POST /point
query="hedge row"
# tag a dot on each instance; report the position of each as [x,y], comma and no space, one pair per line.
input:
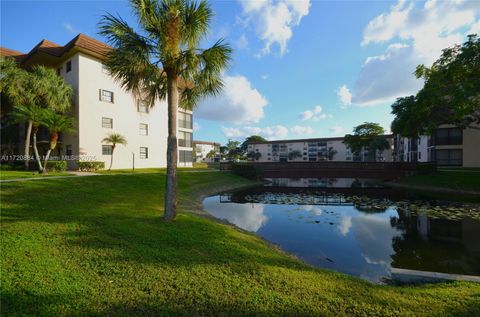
[88,166]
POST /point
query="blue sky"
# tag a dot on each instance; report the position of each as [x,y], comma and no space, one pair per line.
[301,68]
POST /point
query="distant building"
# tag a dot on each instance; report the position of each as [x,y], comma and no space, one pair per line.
[313,150]
[447,146]
[202,148]
[101,106]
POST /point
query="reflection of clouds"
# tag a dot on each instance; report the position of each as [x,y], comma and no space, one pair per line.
[374,237]
[345,225]
[316,210]
[246,216]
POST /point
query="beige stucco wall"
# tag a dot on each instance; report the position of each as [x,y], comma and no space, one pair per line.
[471,147]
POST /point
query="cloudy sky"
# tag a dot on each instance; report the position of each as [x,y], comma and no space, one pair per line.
[301,68]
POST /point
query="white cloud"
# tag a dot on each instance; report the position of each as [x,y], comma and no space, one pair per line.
[314,114]
[271,133]
[264,77]
[196,126]
[336,130]
[242,42]
[419,31]
[345,95]
[345,225]
[301,130]
[273,20]
[238,103]
[70,28]
[475,28]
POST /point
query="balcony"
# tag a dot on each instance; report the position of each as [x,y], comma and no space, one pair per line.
[185,124]
[184,143]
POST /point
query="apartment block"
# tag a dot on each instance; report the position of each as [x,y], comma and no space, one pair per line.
[202,148]
[313,150]
[101,106]
[447,146]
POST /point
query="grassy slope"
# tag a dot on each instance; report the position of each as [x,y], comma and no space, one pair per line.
[97,246]
[27,174]
[455,179]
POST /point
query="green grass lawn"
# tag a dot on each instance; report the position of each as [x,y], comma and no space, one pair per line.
[466,179]
[4,175]
[97,246]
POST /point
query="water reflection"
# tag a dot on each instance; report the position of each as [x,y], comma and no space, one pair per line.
[333,231]
[322,182]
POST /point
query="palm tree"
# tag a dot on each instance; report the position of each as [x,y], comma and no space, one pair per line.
[114,139]
[55,123]
[32,114]
[163,61]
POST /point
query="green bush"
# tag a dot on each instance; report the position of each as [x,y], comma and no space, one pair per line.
[249,171]
[57,166]
[88,166]
[426,168]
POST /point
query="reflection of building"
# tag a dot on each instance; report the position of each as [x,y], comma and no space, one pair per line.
[202,150]
[102,106]
[320,182]
[448,145]
[313,150]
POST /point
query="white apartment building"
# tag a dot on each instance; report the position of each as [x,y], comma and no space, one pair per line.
[202,148]
[101,106]
[447,146]
[313,150]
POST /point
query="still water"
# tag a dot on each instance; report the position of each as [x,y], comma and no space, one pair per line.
[360,231]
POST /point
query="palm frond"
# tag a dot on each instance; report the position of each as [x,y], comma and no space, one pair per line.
[195,23]
[25,113]
[56,123]
[115,138]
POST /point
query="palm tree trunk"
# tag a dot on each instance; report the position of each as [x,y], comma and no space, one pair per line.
[111,159]
[35,150]
[46,160]
[172,151]
[27,144]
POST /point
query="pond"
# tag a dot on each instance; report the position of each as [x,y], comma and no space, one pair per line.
[362,230]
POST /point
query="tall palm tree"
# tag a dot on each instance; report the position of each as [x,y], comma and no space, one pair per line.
[164,61]
[56,123]
[114,139]
[32,114]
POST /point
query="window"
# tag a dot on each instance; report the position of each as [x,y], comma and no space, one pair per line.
[449,136]
[184,139]
[107,150]
[449,157]
[107,123]
[185,156]
[144,152]
[59,71]
[105,69]
[68,150]
[106,95]
[69,66]
[185,120]
[143,129]
[419,155]
[142,107]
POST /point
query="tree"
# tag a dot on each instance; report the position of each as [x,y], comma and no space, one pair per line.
[253,138]
[113,139]
[368,135]
[294,154]
[211,154]
[38,88]
[451,93]
[331,152]
[254,155]
[233,149]
[163,61]
[55,123]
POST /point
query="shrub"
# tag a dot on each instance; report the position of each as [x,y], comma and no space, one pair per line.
[57,166]
[88,166]
[247,170]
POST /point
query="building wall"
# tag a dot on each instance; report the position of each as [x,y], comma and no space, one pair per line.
[201,151]
[471,147]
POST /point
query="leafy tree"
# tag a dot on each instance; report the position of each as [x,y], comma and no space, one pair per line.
[233,150]
[56,123]
[211,154]
[113,139]
[368,135]
[331,152]
[164,61]
[294,154]
[451,93]
[254,155]
[253,138]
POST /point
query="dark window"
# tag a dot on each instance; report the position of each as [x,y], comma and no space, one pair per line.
[143,129]
[142,107]
[144,152]
[184,139]
[68,150]
[69,66]
[448,136]
[185,156]
[106,150]
[449,157]
[106,95]
[107,123]
[185,120]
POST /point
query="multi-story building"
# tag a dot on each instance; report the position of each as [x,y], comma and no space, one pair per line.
[202,148]
[447,146]
[101,106]
[313,150]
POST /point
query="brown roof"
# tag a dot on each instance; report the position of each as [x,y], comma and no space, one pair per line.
[206,142]
[81,42]
[308,140]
